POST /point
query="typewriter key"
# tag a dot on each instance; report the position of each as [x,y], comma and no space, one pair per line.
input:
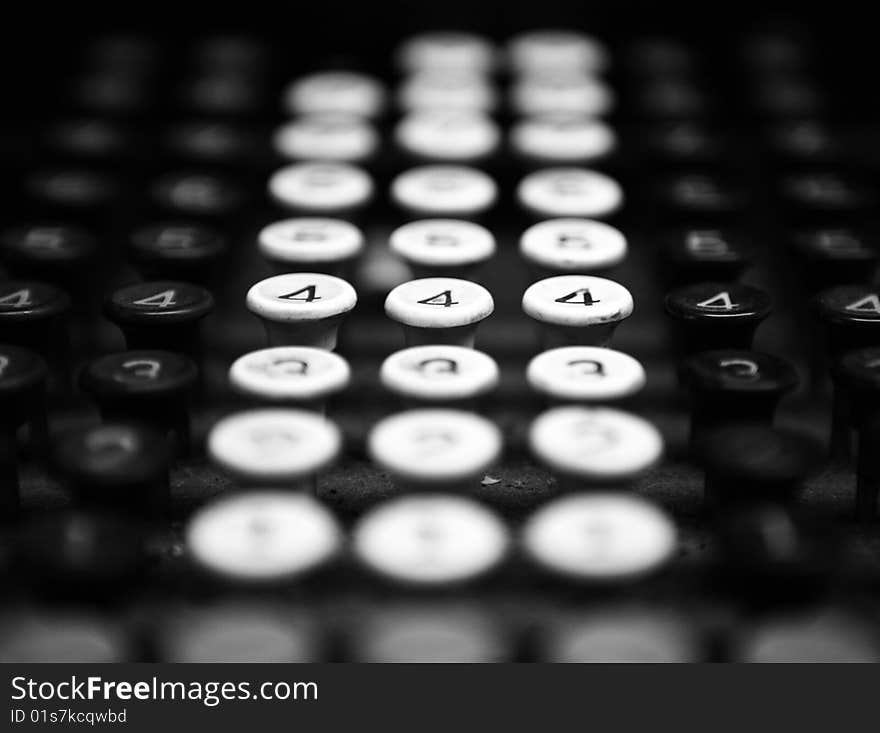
[560,92]
[439,374]
[56,636]
[695,255]
[434,89]
[262,537]
[569,192]
[439,310]
[850,316]
[321,188]
[554,50]
[459,136]
[834,257]
[585,374]
[333,137]
[199,195]
[33,315]
[446,51]
[302,309]
[184,251]
[599,537]
[572,246]
[430,540]
[562,139]
[717,315]
[442,246]
[58,254]
[296,375]
[311,243]
[274,446]
[594,445]
[335,92]
[444,190]
[435,448]
[578,309]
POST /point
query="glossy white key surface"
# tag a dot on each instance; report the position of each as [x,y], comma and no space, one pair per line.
[301,296]
[576,245]
[444,190]
[438,373]
[585,373]
[294,373]
[577,301]
[343,92]
[321,186]
[569,191]
[439,302]
[442,242]
[310,239]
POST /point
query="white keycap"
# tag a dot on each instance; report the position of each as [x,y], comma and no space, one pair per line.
[609,537]
[446,51]
[588,308]
[551,49]
[302,308]
[446,90]
[273,445]
[573,245]
[290,374]
[450,135]
[585,374]
[435,446]
[321,187]
[561,93]
[237,632]
[562,139]
[595,444]
[305,241]
[262,536]
[429,633]
[442,243]
[430,539]
[439,309]
[439,373]
[332,92]
[569,192]
[333,137]
[444,190]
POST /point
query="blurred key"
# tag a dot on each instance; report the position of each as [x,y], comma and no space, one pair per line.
[334,137]
[41,635]
[562,139]
[569,192]
[553,49]
[447,135]
[433,247]
[446,51]
[585,374]
[333,92]
[444,374]
[577,246]
[444,190]
[321,188]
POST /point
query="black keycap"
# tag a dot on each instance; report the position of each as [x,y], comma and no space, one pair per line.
[835,256]
[188,251]
[22,385]
[709,254]
[820,195]
[149,386]
[747,464]
[734,386]
[89,140]
[684,143]
[111,93]
[160,314]
[698,197]
[77,193]
[33,314]
[57,254]
[223,93]
[214,143]
[116,465]
[80,553]
[197,195]
[850,316]
[717,315]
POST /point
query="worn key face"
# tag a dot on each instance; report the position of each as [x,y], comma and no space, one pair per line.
[264,536]
[444,190]
[573,245]
[145,373]
[439,373]
[439,302]
[430,540]
[579,301]
[554,50]
[442,243]
[600,537]
[308,240]
[290,374]
[585,374]
[274,445]
[573,192]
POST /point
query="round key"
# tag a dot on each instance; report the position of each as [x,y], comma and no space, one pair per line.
[439,310]
[700,197]
[571,93]
[22,385]
[334,137]
[446,90]
[830,637]
[116,465]
[33,315]
[146,385]
[307,243]
[439,373]
[62,636]
[274,445]
[850,315]
[200,195]
[446,51]
[578,309]
[585,374]
[90,139]
[732,385]
[717,315]
[213,142]
[177,251]
[589,445]
[562,139]
[434,448]
[444,190]
[430,540]
[160,314]
[430,633]
[696,255]
[81,554]
[335,92]
[552,49]
[442,246]
[73,192]
[835,256]
[58,254]
[451,135]
[262,537]
[237,632]
[221,92]
[750,463]
[290,374]
[552,192]
[599,538]
[572,245]
[621,635]
[302,309]
[323,187]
